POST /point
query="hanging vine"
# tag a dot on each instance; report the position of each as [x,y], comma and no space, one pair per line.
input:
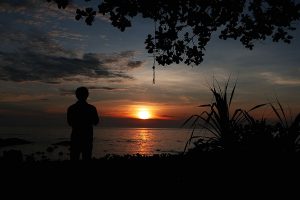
[154,52]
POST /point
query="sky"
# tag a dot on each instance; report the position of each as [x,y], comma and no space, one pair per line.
[45,54]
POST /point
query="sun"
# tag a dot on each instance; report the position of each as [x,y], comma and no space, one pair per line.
[144,114]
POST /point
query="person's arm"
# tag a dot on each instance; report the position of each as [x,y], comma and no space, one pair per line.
[69,117]
[95,117]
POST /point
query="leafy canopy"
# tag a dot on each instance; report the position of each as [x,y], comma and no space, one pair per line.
[184,27]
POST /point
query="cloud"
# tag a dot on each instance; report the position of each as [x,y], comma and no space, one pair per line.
[31,40]
[29,54]
[37,8]
[34,56]
[169,117]
[31,66]
[63,34]
[134,64]
[122,61]
[279,80]
[105,88]
[16,5]
[41,10]
[14,98]
[103,37]
[71,92]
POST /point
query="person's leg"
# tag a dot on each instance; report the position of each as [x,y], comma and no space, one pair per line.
[75,148]
[74,153]
[87,150]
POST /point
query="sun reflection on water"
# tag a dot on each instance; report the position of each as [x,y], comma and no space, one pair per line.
[145,139]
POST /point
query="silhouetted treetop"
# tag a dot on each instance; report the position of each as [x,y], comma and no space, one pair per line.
[184,27]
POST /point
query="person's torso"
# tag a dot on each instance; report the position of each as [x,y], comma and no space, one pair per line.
[82,117]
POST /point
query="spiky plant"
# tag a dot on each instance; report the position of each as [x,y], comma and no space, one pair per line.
[219,121]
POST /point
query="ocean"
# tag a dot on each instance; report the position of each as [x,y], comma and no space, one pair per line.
[120,141]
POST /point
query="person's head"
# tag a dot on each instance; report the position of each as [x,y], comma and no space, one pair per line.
[82,93]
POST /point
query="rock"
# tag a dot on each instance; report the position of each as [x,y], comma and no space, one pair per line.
[63,143]
[13,141]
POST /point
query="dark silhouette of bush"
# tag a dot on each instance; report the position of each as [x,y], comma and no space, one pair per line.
[12,156]
[238,131]
[219,120]
[287,132]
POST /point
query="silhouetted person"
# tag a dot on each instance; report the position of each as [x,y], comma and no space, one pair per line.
[82,117]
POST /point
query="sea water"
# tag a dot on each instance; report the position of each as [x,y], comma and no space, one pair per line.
[120,141]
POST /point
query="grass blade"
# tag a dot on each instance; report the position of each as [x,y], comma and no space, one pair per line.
[277,114]
[232,93]
[205,105]
[257,106]
[189,141]
[190,118]
[283,113]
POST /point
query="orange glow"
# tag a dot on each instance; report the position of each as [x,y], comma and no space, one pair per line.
[143,113]
[142,110]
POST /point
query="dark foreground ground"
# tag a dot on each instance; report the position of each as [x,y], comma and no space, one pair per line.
[170,175]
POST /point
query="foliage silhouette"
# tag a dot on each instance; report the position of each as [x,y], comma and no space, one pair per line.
[287,134]
[183,28]
[240,132]
[219,121]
